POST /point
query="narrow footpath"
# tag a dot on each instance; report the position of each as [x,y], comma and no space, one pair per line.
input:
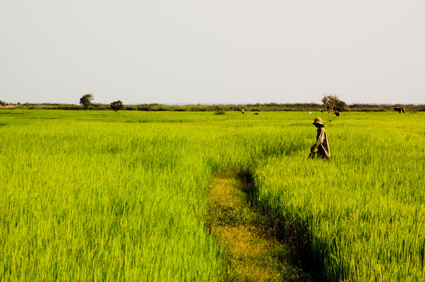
[253,254]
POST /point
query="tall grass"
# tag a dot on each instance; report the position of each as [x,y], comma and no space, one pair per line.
[365,210]
[98,198]
[114,196]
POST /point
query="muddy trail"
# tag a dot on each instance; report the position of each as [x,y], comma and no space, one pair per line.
[253,251]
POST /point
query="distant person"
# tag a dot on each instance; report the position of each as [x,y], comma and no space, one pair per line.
[322,144]
[243,111]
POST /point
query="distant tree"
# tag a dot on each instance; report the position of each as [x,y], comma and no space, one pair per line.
[332,102]
[117,105]
[86,101]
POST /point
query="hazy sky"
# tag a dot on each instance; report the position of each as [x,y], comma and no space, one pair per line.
[212,51]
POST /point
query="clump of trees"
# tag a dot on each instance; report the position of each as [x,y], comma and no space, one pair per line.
[86,101]
[333,103]
[117,105]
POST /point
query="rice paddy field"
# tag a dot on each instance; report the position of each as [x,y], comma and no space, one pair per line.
[99,195]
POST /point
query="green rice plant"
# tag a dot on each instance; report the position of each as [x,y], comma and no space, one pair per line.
[365,209]
[99,195]
[92,199]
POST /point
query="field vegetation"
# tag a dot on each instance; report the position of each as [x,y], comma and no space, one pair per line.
[103,195]
[228,108]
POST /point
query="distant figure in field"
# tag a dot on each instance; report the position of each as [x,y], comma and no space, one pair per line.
[337,114]
[243,111]
[400,110]
[322,144]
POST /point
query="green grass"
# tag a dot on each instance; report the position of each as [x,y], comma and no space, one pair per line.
[93,195]
[365,210]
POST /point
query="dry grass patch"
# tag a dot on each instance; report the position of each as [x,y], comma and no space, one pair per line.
[252,254]
[243,241]
[222,196]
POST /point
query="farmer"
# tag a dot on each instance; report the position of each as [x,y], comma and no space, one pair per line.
[321,141]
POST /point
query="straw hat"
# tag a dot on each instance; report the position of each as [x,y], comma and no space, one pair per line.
[318,121]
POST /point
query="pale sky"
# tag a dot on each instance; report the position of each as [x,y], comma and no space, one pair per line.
[212,51]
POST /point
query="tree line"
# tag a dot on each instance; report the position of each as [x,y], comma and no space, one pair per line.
[330,103]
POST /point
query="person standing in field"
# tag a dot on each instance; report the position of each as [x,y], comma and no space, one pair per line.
[322,144]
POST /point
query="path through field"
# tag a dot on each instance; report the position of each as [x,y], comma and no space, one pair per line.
[253,253]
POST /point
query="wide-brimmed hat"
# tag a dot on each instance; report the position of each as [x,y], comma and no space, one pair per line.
[318,121]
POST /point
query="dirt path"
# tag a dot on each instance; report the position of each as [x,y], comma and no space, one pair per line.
[252,253]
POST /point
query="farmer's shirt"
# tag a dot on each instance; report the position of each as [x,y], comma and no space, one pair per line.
[322,142]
